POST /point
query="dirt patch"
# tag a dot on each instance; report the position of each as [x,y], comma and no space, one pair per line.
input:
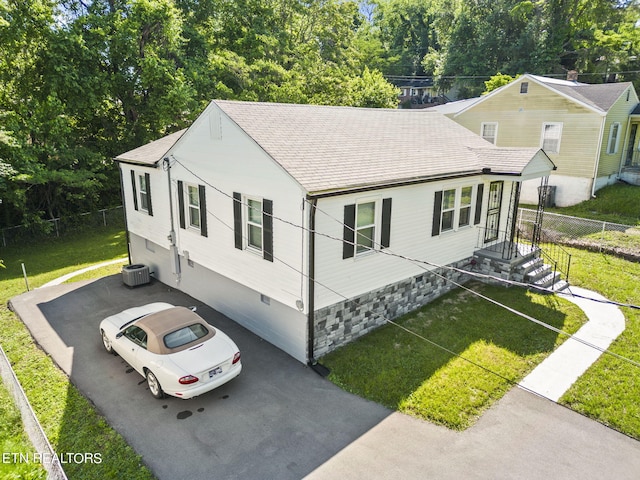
[628,253]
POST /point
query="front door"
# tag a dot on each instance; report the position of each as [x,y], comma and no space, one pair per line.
[631,147]
[493,211]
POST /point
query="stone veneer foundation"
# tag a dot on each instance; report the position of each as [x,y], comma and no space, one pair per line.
[345,321]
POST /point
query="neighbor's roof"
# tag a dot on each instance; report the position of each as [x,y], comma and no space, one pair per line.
[599,95]
[328,149]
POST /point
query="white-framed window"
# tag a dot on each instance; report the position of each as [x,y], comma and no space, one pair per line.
[141,186]
[452,209]
[365,226]
[466,197]
[253,224]
[489,131]
[143,190]
[614,138]
[192,207]
[193,204]
[551,135]
[254,227]
[448,210]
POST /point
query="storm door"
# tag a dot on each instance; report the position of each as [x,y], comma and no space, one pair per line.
[493,211]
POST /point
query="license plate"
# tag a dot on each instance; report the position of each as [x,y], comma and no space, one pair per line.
[215,371]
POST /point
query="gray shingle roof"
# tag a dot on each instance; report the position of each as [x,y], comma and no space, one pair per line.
[328,149]
[152,152]
[336,148]
[601,96]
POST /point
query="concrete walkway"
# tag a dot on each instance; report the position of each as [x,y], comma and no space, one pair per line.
[64,278]
[553,377]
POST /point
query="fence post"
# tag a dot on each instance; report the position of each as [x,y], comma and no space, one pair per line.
[104,218]
[604,225]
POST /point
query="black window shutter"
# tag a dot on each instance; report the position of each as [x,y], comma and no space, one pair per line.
[181,204]
[386,223]
[267,230]
[479,194]
[348,244]
[437,210]
[147,180]
[135,190]
[202,192]
[237,219]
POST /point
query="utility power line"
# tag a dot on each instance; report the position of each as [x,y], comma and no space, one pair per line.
[419,262]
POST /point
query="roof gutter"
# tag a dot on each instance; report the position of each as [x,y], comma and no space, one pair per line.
[399,183]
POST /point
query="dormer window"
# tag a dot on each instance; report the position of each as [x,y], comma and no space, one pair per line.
[524,87]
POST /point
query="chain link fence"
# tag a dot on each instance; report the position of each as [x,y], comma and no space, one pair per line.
[45,453]
[58,227]
[595,235]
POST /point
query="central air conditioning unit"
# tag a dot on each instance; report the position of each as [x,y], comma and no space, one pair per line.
[134,275]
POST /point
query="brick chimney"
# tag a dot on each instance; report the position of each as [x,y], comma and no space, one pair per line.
[572,76]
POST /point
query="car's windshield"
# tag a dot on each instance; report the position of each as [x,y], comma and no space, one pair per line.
[185,335]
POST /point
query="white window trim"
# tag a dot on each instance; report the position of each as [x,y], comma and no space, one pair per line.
[455,224]
[247,223]
[613,151]
[377,225]
[542,136]
[189,206]
[495,134]
[143,193]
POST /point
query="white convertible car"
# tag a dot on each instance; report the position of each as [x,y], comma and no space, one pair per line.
[173,348]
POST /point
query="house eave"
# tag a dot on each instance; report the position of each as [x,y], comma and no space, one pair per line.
[484,172]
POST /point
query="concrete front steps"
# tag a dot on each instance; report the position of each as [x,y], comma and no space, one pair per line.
[542,275]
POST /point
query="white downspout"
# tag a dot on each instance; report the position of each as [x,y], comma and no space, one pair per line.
[597,165]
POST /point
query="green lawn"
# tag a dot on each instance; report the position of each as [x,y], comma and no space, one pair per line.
[610,390]
[619,203]
[69,419]
[492,349]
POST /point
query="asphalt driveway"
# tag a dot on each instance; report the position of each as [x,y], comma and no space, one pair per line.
[280,420]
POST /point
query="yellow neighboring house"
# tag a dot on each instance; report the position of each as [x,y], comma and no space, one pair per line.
[589,131]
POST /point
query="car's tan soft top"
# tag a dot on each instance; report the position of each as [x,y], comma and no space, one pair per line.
[159,324]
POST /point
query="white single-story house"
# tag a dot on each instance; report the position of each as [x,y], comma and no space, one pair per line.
[312,225]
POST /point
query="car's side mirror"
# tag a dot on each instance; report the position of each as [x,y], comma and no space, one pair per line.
[193,309]
[119,334]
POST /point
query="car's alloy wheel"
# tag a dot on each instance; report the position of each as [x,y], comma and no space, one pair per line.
[107,343]
[154,385]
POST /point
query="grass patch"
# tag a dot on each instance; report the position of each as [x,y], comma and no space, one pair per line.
[14,441]
[619,203]
[492,349]
[610,389]
[70,421]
